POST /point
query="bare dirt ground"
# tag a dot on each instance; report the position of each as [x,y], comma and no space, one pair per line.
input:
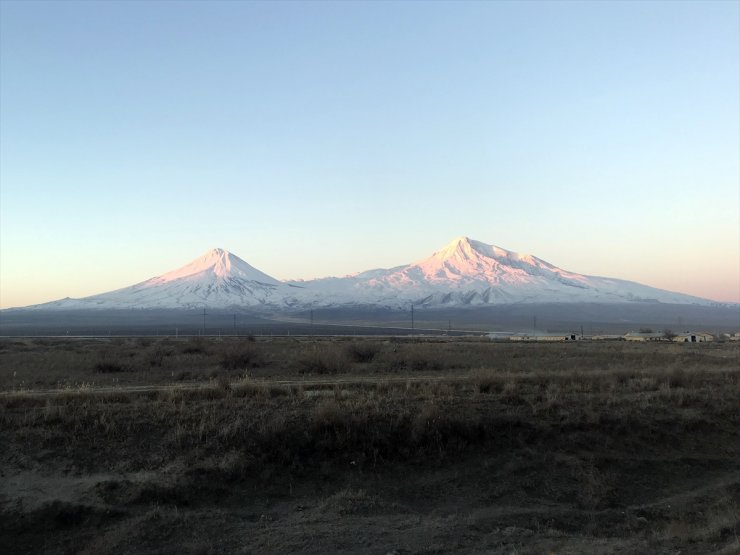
[368,446]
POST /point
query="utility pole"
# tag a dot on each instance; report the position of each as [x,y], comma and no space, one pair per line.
[234,325]
[204,321]
[312,317]
[534,325]
[412,319]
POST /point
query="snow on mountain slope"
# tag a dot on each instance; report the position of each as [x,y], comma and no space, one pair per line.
[219,264]
[218,279]
[468,272]
[463,273]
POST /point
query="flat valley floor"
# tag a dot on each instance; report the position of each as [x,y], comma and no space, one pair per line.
[368,445]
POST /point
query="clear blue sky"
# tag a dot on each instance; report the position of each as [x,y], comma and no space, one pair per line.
[318,139]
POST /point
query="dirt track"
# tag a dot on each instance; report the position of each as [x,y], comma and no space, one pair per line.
[307,382]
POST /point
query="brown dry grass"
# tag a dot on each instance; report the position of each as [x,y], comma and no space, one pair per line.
[535,448]
[45,363]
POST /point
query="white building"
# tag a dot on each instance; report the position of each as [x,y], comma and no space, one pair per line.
[644,336]
[693,337]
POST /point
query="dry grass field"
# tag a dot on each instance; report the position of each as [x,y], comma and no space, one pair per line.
[293,445]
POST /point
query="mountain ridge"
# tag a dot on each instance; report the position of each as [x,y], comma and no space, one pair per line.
[464,272]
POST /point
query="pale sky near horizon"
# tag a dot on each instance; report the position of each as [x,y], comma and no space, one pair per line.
[325,138]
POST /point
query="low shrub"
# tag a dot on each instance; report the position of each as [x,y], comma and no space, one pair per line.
[157,356]
[195,347]
[240,357]
[326,360]
[108,367]
[362,351]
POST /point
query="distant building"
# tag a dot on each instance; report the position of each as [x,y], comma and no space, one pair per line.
[644,336]
[546,337]
[693,337]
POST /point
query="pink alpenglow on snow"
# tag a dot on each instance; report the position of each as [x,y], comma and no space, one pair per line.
[464,272]
[466,258]
[216,263]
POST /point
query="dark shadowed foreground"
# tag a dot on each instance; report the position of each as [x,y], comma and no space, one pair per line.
[369,446]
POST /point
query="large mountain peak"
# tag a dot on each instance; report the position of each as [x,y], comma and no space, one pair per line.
[473,257]
[465,248]
[461,260]
[459,247]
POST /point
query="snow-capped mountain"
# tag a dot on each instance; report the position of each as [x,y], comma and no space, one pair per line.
[217,279]
[466,272]
[463,273]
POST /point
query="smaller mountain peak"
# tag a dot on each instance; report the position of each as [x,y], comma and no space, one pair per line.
[217,252]
[219,263]
[217,256]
